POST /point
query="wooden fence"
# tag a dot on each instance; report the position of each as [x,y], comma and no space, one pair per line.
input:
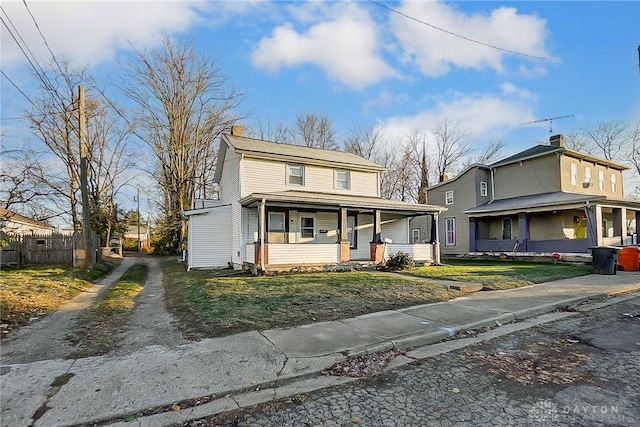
[51,249]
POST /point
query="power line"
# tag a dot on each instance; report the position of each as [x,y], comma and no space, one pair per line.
[42,35]
[19,90]
[460,36]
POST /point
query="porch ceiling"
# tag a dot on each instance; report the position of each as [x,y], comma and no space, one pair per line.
[337,201]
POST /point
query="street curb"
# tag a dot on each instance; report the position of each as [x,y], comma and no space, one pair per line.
[420,346]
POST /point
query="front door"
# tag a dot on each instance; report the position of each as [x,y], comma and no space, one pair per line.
[307,228]
[506,228]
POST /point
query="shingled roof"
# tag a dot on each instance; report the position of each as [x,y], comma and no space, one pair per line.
[259,148]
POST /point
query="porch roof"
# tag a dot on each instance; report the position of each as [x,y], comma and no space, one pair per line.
[336,201]
[533,203]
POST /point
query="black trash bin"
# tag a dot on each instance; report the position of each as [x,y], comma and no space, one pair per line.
[604,259]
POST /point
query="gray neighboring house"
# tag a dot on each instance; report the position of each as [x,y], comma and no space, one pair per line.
[545,199]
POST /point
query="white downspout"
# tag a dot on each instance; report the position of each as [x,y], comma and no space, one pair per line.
[262,215]
[493,187]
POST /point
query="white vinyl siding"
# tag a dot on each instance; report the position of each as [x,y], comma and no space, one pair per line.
[342,180]
[269,176]
[448,198]
[209,239]
[230,179]
[450,230]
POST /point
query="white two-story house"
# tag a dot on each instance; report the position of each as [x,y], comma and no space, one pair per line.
[282,206]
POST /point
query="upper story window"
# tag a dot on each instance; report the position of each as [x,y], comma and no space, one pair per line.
[613,183]
[483,188]
[448,198]
[295,175]
[342,179]
[574,174]
[601,180]
[587,175]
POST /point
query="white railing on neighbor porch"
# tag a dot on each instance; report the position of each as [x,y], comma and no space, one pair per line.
[303,253]
[418,251]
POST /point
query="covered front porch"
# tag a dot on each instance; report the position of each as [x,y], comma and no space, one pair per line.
[562,228]
[304,229]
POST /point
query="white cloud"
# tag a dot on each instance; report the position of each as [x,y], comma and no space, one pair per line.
[88,32]
[435,52]
[482,116]
[345,46]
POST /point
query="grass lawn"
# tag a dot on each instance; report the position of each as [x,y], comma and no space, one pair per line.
[100,324]
[33,291]
[209,305]
[506,274]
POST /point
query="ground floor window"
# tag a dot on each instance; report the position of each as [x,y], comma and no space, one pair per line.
[276,227]
[415,235]
[450,226]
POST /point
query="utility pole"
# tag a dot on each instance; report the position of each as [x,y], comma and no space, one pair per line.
[86,222]
[138,200]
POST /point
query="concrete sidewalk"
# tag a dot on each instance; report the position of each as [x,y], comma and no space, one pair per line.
[248,368]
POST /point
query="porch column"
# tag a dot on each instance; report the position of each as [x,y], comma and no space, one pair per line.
[637,226]
[345,251]
[594,225]
[436,241]
[376,248]
[261,251]
[473,234]
[620,223]
[523,230]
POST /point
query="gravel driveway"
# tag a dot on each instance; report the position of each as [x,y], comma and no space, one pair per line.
[150,324]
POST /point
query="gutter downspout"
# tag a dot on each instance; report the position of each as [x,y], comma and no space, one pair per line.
[493,186]
[262,215]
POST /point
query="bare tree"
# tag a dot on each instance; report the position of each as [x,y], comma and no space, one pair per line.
[607,137]
[268,132]
[452,145]
[633,139]
[314,131]
[364,142]
[489,155]
[183,104]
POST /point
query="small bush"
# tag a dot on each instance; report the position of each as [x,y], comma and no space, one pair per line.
[400,261]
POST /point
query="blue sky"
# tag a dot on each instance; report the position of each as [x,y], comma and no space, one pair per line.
[362,65]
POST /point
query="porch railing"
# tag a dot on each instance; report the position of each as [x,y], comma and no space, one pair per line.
[303,253]
[418,251]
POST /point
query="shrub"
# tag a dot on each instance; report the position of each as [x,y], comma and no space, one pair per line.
[400,261]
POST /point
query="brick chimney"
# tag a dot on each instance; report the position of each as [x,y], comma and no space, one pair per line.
[444,177]
[557,141]
[236,130]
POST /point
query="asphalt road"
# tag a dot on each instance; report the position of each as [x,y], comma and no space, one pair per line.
[579,371]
